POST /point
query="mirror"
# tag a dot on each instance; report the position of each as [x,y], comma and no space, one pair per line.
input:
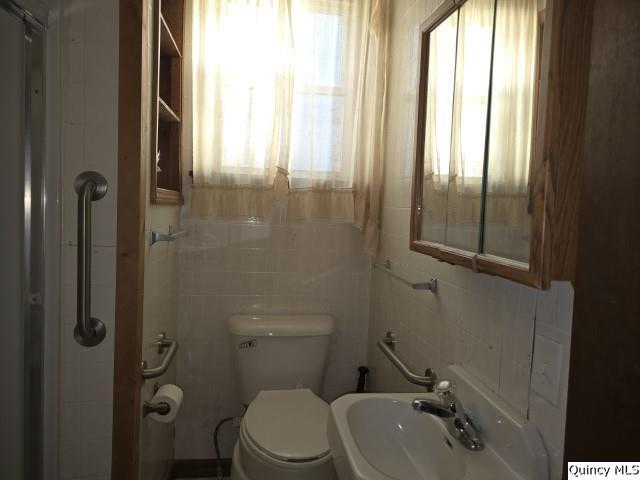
[477,119]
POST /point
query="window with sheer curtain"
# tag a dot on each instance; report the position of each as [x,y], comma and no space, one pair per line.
[482,66]
[458,97]
[288,107]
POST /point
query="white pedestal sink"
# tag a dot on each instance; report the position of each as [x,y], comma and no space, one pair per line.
[381,437]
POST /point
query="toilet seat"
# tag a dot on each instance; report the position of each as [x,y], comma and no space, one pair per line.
[288,425]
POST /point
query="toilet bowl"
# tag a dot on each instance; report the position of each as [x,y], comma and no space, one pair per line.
[283,437]
[280,362]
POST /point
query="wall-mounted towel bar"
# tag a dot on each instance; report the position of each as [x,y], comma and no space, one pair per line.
[162,343]
[170,236]
[388,345]
[431,285]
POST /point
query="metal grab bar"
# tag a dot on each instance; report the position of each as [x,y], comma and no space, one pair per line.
[162,343]
[387,345]
[89,331]
[431,285]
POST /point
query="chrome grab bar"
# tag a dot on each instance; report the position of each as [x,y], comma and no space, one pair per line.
[162,343]
[89,331]
[387,345]
[431,285]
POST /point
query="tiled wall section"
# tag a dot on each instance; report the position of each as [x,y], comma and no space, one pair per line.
[489,335]
[232,267]
[89,138]
[496,329]
[550,370]
[160,311]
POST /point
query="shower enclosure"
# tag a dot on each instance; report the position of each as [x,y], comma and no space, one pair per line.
[30,248]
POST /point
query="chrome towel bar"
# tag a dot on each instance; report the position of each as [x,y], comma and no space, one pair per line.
[170,236]
[388,345]
[162,343]
[431,285]
[89,331]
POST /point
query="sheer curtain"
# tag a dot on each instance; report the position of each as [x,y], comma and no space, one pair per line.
[471,99]
[438,128]
[288,102]
[470,108]
[440,91]
[513,97]
[508,217]
[457,118]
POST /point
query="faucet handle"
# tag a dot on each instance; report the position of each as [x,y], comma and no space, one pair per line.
[444,389]
[444,386]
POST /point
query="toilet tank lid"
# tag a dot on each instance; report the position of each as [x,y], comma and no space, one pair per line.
[280,325]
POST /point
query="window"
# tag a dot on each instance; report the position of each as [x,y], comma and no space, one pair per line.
[277,86]
[288,108]
[318,103]
[247,45]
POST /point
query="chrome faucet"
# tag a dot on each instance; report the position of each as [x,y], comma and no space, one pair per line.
[450,409]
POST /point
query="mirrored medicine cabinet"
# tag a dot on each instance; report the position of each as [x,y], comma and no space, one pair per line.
[488,168]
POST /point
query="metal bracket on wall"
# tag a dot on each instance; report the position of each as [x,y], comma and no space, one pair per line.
[431,285]
[170,236]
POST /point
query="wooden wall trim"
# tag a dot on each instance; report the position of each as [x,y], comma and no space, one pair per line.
[130,251]
[568,88]
[604,376]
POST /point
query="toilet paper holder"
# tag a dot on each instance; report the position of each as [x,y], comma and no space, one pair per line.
[161,408]
[164,406]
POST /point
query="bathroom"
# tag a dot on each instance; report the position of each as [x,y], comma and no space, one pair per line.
[246,240]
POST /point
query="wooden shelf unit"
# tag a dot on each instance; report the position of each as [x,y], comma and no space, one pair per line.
[168,45]
[166,162]
[165,113]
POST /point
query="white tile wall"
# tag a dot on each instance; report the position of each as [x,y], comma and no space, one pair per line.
[232,267]
[89,142]
[495,328]
[90,97]
[548,396]
[160,313]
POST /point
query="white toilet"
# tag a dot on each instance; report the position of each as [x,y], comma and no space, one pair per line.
[280,362]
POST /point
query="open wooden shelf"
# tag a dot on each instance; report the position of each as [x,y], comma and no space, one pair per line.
[168,197]
[166,153]
[168,45]
[165,113]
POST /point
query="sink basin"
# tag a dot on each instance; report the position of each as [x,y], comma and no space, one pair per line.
[381,437]
[393,439]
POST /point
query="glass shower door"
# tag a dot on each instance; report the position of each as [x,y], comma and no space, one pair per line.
[21,255]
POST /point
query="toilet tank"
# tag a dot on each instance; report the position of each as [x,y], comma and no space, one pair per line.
[279,352]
